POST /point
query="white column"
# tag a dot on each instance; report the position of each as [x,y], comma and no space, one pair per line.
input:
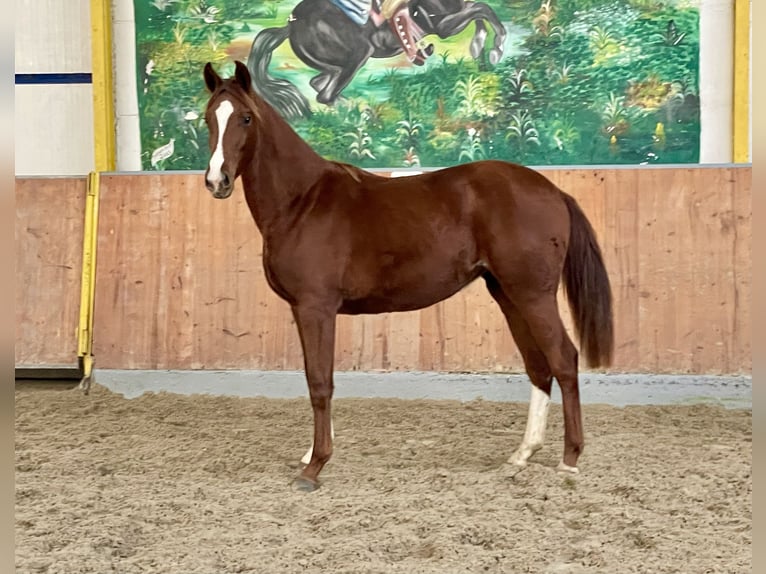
[128,136]
[716,80]
[750,89]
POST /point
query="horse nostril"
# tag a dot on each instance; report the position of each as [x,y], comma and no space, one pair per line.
[210,187]
[225,179]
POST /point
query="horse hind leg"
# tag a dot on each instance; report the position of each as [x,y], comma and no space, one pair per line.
[537,420]
[339,78]
[539,374]
[319,81]
[540,312]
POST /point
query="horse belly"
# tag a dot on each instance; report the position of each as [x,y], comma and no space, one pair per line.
[397,302]
[394,290]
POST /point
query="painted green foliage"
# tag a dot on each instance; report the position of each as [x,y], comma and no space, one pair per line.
[581,82]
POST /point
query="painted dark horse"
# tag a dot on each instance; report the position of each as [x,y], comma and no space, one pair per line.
[325,39]
[337,239]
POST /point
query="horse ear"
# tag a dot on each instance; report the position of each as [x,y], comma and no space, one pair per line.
[243,76]
[212,79]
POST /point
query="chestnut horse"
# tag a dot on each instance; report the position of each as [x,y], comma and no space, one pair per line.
[337,239]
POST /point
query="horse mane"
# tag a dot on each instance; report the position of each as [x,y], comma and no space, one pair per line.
[353,171]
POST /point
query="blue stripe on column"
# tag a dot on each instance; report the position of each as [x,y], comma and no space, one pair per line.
[73,78]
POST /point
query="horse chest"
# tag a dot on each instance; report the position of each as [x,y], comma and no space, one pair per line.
[278,280]
[297,269]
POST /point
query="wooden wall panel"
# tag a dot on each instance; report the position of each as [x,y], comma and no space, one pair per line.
[48,245]
[618,242]
[741,189]
[181,285]
[180,282]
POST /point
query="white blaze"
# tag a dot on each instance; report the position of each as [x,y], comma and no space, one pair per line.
[222,114]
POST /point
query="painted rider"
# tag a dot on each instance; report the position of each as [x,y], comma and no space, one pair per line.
[405,29]
[397,13]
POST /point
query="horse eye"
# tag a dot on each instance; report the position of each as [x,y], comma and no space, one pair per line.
[247,120]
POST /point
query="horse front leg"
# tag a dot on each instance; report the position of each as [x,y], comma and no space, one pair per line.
[307,457]
[475,11]
[316,327]
[477,42]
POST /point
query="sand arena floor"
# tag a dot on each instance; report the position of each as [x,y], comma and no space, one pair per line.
[201,484]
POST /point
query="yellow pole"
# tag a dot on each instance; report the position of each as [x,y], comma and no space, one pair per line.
[741,107]
[88,283]
[103,99]
[104,160]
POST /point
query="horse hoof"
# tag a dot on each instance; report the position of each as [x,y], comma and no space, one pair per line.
[517,460]
[494,56]
[566,469]
[303,484]
[521,455]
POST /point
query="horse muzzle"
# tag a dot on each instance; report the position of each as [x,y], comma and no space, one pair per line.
[221,187]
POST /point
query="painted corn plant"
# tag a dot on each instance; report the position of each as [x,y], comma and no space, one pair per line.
[552,82]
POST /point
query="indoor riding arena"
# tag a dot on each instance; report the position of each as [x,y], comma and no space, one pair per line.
[410,286]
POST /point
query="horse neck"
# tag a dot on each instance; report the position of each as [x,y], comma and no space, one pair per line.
[284,167]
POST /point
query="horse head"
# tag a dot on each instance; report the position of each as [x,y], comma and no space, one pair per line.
[232,120]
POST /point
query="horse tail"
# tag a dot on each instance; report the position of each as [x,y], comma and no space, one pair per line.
[586,284]
[280,94]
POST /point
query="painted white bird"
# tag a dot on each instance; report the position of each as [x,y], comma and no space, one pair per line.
[163,152]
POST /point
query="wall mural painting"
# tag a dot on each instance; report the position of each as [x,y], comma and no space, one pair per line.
[432,83]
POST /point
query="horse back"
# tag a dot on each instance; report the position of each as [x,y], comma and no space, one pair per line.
[471,199]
